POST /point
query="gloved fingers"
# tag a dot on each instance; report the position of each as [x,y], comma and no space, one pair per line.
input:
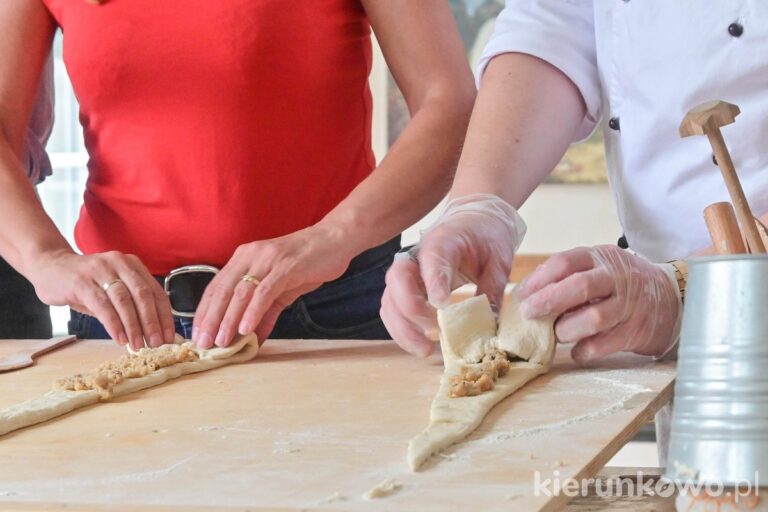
[600,345]
[573,291]
[403,331]
[439,259]
[492,283]
[406,291]
[589,320]
[555,269]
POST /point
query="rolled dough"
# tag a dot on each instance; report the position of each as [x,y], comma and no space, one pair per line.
[466,333]
[58,402]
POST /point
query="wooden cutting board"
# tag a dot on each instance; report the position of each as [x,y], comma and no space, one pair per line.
[314,424]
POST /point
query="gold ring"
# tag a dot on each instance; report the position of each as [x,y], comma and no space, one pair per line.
[106,286]
[248,278]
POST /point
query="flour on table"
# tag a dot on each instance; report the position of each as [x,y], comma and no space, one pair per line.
[336,496]
[384,489]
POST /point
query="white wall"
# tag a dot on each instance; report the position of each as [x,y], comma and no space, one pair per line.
[559,217]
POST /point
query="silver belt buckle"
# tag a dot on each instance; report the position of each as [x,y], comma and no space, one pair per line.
[188,269]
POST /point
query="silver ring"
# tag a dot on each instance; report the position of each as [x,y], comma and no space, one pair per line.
[107,285]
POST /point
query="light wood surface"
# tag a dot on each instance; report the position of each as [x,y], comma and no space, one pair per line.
[307,420]
[724,229]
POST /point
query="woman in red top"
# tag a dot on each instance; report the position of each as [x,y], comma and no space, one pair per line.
[233,134]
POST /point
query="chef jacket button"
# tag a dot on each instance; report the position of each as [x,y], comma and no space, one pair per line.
[614,124]
[736,29]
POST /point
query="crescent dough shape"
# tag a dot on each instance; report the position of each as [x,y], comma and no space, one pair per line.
[464,337]
[59,402]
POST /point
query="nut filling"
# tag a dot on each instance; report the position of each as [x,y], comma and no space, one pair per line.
[479,378]
[104,378]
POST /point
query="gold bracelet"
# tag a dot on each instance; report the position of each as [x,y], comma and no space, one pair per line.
[681,274]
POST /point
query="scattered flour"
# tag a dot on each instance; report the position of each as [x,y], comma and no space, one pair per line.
[384,489]
[626,402]
[337,496]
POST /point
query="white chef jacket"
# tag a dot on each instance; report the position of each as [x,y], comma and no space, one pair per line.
[640,65]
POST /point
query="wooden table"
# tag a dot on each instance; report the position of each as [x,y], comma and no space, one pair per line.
[314,425]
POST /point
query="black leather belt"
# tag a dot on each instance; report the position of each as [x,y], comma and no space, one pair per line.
[185,285]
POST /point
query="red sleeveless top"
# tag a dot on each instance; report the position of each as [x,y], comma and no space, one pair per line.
[212,123]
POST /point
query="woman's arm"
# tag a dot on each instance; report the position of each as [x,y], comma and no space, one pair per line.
[136,309]
[423,49]
[24,46]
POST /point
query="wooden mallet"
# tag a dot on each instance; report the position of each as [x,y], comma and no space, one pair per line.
[706,120]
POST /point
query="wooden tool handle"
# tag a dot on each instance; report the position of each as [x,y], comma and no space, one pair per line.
[723,228]
[51,344]
[743,212]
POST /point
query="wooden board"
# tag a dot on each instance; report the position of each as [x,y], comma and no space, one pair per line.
[308,420]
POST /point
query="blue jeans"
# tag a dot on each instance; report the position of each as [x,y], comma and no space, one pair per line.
[22,315]
[346,308]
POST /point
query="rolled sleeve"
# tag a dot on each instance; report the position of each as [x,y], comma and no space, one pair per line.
[560,32]
[38,164]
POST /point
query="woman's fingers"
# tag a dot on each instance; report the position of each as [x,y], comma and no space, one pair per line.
[213,306]
[589,320]
[95,302]
[144,300]
[556,268]
[241,297]
[160,300]
[573,291]
[264,296]
[123,303]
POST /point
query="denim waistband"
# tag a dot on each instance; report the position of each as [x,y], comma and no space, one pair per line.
[360,262]
[373,255]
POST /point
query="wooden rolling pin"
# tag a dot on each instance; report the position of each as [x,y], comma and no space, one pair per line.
[706,120]
[723,228]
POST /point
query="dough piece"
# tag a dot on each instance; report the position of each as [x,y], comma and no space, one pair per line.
[532,340]
[59,402]
[452,419]
[466,328]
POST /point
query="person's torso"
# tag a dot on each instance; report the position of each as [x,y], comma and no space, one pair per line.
[214,123]
[657,60]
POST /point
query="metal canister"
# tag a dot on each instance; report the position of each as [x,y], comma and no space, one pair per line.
[720,420]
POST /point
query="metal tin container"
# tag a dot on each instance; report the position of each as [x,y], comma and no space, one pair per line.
[720,421]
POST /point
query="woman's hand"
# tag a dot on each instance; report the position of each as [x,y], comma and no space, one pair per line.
[284,269]
[607,300]
[133,308]
[474,240]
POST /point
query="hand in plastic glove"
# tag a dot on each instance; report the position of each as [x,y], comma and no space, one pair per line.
[474,239]
[608,300]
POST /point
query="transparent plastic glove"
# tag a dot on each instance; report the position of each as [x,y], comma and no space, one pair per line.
[473,240]
[607,299]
